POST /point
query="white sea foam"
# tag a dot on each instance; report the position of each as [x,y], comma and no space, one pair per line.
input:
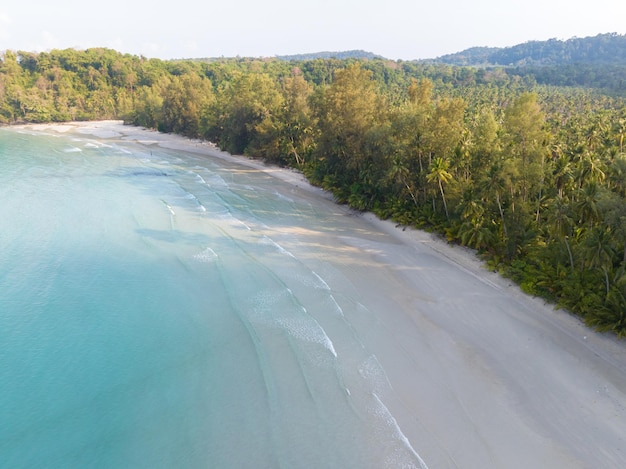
[307,329]
[228,216]
[72,150]
[283,197]
[190,196]
[279,248]
[397,458]
[208,255]
[234,220]
[215,180]
[171,210]
[321,280]
[372,371]
[97,144]
[276,309]
[312,281]
[122,150]
[338,308]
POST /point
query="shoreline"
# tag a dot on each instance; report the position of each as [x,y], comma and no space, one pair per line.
[462,256]
[470,365]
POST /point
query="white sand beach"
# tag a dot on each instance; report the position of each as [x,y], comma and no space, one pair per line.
[483,375]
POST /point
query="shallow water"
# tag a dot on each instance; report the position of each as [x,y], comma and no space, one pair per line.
[161,309]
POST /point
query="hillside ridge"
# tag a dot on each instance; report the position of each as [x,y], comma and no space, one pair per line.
[602,49]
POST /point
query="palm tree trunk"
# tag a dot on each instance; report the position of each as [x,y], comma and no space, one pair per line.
[506,235]
[569,251]
[411,193]
[443,196]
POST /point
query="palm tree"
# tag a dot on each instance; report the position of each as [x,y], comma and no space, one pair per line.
[562,174]
[617,175]
[613,208]
[475,234]
[399,173]
[561,223]
[439,174]
[470,205]
[590,168]
[611,316]
[587,204]
[599,252]
[620,130]
[495,184]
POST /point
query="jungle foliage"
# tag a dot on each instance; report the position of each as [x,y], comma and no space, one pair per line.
[531,176]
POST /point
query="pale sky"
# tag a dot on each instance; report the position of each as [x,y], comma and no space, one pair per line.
[396,29]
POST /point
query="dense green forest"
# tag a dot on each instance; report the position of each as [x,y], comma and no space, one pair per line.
[590,62]
[530,175]
[603,49]
[351,54]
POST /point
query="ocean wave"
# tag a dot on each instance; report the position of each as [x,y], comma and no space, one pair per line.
[269,241]
[372,371]
[208,255]
[321,280]
[397,456]
[283,197]
[197,203]
[280,308]
[122,150]
[338,309]
[229,217]
[307,329]
[169,207]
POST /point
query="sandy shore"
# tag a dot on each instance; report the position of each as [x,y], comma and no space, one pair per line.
[483,375]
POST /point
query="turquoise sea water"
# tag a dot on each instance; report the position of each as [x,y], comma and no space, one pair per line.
[162,309]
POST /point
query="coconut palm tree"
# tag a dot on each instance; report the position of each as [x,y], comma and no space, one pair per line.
[599,252]
[493,184]
[562,174]
[399,174]
[620,130]
[561,223]
[587,204]
[439,174]
[617,175]
[590,168]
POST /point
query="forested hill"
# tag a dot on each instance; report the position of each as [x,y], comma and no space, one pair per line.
[603,49]
[351,54]
[593,62]
[324,55]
